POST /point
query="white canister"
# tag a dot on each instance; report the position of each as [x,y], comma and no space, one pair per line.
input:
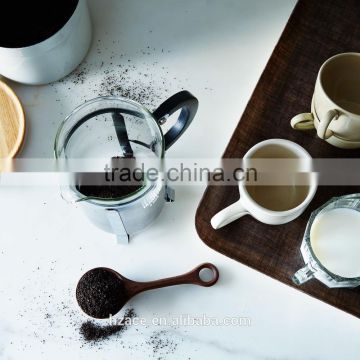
[53,58]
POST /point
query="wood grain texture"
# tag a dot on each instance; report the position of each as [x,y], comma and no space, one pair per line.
[315,31]
[12,122]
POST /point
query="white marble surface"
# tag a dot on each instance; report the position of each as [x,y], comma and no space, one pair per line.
[218,49]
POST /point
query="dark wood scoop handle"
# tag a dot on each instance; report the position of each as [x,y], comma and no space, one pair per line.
[192,277]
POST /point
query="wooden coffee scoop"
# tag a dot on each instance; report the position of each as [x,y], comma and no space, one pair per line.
[102,292]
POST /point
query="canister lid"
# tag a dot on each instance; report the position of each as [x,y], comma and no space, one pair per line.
[12,122]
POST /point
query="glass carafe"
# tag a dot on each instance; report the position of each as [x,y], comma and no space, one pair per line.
[109,134]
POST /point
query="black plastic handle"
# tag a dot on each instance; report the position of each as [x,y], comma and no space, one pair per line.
[188,104]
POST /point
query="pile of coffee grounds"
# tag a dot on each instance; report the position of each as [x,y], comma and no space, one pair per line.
[91,331]
[101,293]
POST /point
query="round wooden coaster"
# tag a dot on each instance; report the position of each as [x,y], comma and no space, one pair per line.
[12,122]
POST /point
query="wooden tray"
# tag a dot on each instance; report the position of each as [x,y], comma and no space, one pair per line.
[316,30]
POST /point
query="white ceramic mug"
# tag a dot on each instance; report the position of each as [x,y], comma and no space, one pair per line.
[53,58]
[335,109]
[284,196]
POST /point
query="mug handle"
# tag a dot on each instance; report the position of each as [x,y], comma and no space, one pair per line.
[303,121]
[303,275]
[226,216]
[188,104]
[322,131]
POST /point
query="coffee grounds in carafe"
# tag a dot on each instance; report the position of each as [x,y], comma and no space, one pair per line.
[109,191]
[110,185]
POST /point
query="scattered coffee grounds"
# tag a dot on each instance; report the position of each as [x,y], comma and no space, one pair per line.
[162,345]
[100,293]
[113,73]
[29,22]
[94,332]
[116,84]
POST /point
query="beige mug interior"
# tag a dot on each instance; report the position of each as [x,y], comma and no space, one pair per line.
[340,79]
[280,185]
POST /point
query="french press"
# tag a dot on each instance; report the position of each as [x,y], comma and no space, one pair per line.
[109,130]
